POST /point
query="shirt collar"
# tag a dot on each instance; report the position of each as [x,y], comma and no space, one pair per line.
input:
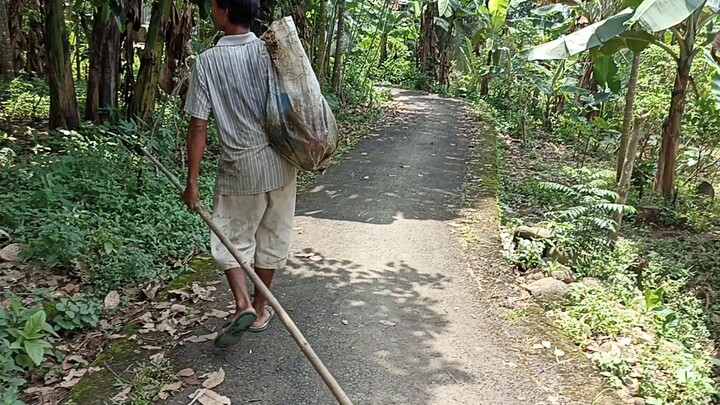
[231,40]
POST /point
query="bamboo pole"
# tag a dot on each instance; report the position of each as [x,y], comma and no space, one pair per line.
[305,347]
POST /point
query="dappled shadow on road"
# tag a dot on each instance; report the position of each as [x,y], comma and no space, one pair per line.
[373,327]
[414,168]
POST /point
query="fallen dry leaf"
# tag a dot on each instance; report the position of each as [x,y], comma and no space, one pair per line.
[387,323]
[45,395]
[117,336]
[75,374]
[72,361]
[157,357]
[151,291]
[166,389]
[112,300]
[150,347]
[122,396]
[200,339]
[168,326]
[71,288]
[10,278]
[210,397]
[183,293]
[219,314]
[186,372]
[69,383]
[202,293]
[186,321]
[214,379]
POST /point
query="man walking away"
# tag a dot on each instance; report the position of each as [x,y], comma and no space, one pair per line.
[254,200]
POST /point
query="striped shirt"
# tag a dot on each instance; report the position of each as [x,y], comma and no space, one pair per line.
[231,80]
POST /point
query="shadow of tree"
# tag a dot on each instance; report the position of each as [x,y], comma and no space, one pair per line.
[371,326]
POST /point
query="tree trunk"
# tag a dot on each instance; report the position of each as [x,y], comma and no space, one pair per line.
[132,11]
[301,24]
[445,58]
[142,102]
[493,60]
[6,49]
[628,114]
[35,61]
[667,158]
[337,67]
[427,58]
[321,38]
[329,41]
[63,104]
[627,170]
[103,76]
[17,39]
[383,49]
[587,82]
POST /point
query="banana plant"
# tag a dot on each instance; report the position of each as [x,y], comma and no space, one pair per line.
[637,26]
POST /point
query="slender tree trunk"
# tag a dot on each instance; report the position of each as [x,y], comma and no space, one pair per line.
[328,42]
[383,48]
[63,103]
[321,37]
[628,114]
[445,59]
[587,79]
[427,58]
[104,73]
[493,60]
[665,176]
[142,103]
[6,49]
[337,67]
[132,11]
[17,40]
[302,24]
[626,175]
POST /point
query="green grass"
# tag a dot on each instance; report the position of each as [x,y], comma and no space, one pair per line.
[650,285]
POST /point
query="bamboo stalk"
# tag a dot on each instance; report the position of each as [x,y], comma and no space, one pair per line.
[305,347]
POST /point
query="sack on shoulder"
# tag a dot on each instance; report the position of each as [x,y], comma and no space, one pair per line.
[301,125]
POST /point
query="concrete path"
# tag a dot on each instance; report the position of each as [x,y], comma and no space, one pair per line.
[385,298]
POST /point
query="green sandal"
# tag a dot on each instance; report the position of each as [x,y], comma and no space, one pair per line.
[266,324]
[232,333]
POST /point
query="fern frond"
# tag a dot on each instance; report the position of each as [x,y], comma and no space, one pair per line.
[603,224]
[613,207]
[549,186]
[572,213]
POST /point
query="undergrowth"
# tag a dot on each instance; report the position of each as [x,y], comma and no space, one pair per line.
[81,205]
[649,321]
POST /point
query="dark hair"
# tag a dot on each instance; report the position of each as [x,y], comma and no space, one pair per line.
[240,12]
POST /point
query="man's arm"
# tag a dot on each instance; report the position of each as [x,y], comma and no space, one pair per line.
[197,135]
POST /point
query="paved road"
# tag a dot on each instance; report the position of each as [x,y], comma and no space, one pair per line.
[388,267]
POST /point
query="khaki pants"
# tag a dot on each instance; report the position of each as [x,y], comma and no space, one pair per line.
[259,226]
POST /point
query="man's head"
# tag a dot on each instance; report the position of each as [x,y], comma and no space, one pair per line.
[228,13]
